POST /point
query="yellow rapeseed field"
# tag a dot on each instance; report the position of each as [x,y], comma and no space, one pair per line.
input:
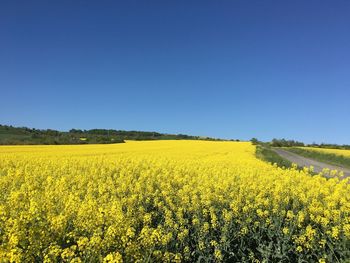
[342,152]
[166,201]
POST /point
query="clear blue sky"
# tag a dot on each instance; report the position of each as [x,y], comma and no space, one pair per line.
[229,69]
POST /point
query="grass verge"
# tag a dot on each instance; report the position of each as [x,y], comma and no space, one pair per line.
[266,154]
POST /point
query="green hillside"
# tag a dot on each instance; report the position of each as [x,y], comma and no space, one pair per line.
[10,135]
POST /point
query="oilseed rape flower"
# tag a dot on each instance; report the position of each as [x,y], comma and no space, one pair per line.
[166,201]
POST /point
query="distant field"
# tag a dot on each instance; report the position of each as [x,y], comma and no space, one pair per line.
[166,201]
[331,156]
[341,152]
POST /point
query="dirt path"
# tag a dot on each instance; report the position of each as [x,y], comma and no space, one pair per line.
[302,161]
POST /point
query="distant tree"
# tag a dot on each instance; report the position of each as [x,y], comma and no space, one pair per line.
[254,141]
[75,131]
[285,143]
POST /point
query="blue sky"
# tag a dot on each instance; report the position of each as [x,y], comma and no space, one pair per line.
[229,69]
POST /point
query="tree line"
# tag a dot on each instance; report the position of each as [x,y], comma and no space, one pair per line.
[10,135]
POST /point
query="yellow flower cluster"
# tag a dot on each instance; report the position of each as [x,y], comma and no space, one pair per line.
[166,201]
